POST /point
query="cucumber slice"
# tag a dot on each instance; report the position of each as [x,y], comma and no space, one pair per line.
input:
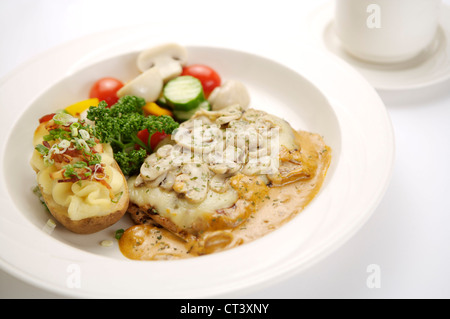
[186,115]
[184,93]
[162,102]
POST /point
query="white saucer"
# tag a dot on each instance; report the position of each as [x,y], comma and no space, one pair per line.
[431,67]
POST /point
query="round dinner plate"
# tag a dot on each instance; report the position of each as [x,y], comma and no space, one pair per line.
[311,89]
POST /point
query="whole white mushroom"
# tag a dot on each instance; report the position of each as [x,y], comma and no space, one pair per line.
[169,59]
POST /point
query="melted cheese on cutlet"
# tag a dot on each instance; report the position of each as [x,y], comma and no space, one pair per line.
[180,211]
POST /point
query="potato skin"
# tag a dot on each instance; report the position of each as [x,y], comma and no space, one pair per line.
[93,224]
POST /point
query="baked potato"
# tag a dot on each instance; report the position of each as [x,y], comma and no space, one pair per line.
[80,182]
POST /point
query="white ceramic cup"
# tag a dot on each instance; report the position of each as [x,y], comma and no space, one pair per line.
[386,31]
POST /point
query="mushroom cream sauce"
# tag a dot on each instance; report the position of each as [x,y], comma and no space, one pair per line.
[257,209]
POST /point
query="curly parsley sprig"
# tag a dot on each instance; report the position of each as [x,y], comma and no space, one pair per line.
[119,126]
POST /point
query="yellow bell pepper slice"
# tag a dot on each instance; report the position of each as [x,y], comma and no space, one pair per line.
[151,108]
[79,107]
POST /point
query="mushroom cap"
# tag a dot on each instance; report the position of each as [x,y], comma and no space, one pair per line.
[168,58]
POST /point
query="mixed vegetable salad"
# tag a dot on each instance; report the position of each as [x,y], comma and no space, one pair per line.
[134,117]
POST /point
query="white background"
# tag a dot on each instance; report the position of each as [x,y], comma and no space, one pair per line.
[408,236]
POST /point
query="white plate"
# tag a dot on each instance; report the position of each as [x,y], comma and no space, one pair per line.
[311,89]
[431,67]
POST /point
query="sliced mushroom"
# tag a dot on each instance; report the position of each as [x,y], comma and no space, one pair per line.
[219,183]
[157,164]
[147,85]
[158,181]
[168,181]
[257,165]
[230,92]
[222,116]
[164,151]
[199,138]
[228,161]
[168,59]
[199,120]
[193,182]
[277,129]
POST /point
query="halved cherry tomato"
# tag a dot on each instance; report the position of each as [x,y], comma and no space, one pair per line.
[209,78]
[46,118]
[154,140]
[105,89]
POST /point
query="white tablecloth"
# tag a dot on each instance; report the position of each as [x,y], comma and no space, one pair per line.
[407,238]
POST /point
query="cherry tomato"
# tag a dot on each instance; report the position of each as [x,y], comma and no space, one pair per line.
[143,136]
[154,140]
[46,118]
[105,89]
[209,78]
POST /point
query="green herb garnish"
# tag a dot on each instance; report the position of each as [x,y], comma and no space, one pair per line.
[119,233]
[119,126]
[42,149]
